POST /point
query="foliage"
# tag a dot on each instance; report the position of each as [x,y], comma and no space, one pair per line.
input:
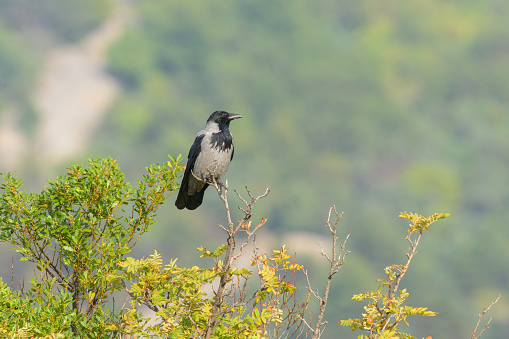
[42,315]
[183,308]
[78,230]
[386,309]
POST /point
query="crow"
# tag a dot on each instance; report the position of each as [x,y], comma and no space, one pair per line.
[208,159]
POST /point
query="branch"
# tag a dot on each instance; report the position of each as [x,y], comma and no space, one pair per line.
[249,205]
[412,250]
[336,261]
[481,315]
[141,301]
[393,288]
[229,257]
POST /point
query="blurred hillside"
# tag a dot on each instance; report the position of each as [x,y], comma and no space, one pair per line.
[375,107]
[53,85]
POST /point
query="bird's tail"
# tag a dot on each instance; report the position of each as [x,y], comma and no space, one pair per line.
[190,202]
[194,201]
[182,198]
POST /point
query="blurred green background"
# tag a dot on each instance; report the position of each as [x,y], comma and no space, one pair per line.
[372,106]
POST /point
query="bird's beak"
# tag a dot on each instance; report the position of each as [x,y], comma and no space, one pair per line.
[234,116]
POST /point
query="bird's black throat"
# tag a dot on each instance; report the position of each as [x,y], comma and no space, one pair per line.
[222,140]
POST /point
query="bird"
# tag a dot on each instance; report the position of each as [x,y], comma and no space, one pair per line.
[208,159]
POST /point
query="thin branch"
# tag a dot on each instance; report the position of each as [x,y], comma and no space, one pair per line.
[481,315]
[393,288]
[196,326]
[138,299]
[249,205]
[229,256]
[216,309]
[224,228]
[315,294]
[305,323]
[335,265]
[385,325]
[412,250]
[12,272]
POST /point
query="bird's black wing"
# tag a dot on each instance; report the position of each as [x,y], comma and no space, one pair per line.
[183,197]
[233,149]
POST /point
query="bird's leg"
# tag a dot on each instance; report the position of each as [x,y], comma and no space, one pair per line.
[220,183]
[212,180]
[196,177]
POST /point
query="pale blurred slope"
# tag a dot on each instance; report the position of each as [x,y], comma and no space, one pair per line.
[71,94]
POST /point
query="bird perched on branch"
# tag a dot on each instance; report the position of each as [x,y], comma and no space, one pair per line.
[208,159]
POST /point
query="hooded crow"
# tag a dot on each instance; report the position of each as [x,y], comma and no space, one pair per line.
[209,158]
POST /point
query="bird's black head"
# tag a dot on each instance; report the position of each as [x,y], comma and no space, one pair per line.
[223,118]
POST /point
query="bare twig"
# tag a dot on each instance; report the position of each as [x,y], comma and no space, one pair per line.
[229,256]
[249,205]
[216,309]
[336,260]
[224,228]
[481,315]
[306,323]
[315,294]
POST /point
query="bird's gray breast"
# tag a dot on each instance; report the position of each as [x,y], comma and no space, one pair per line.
[214,157]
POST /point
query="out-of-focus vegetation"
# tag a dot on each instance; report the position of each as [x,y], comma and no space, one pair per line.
[61,21]
[373,106]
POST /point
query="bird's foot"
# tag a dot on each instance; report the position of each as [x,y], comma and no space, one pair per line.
[220,185]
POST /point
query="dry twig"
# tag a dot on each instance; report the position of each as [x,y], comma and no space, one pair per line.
[336,260]
[481,315]
[229,256]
